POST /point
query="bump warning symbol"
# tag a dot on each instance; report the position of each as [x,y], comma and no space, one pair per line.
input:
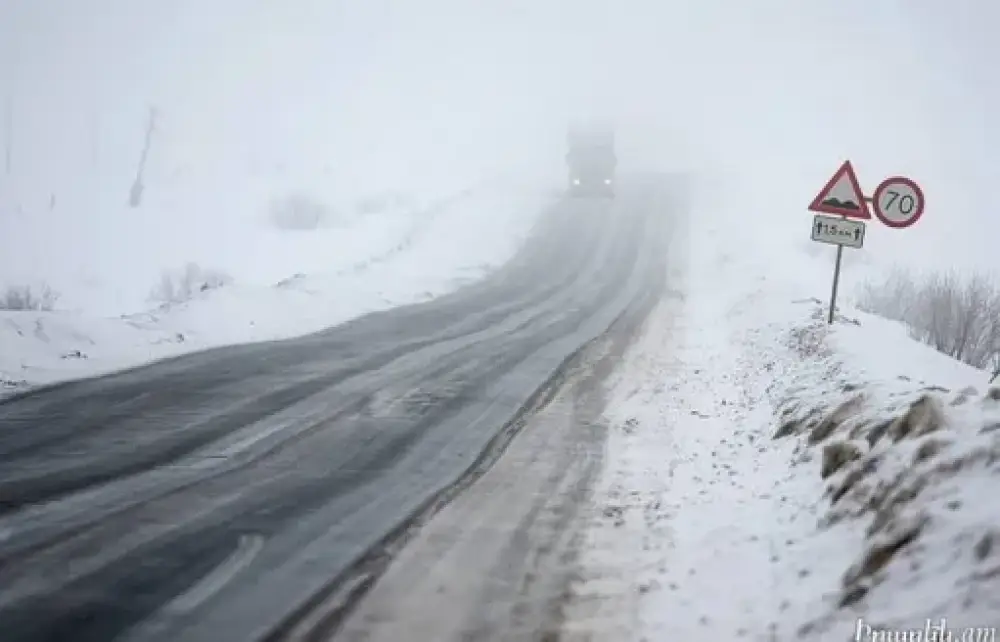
[842,195]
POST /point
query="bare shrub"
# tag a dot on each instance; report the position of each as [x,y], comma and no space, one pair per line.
[956,315]
[298,212]
[182,285]
[24,298]
[892,298]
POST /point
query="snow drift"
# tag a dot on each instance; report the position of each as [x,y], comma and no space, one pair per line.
[384,259]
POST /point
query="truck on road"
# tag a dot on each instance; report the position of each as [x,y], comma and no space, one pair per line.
[591,160]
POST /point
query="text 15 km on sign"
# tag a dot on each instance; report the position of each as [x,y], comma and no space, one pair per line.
[838,231]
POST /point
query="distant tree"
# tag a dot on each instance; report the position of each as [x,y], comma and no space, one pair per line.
[959,316]
[24,298]
[182,285]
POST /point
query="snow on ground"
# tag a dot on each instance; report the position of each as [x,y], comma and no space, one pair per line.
[771,478]
[387,258]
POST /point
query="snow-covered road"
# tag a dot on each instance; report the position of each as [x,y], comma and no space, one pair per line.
[324,447]
[188,175]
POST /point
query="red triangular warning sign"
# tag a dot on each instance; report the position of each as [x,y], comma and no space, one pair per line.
[842,195]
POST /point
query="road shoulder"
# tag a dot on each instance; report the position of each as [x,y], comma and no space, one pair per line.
[496,562]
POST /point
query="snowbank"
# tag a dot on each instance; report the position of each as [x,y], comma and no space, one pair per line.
[907,442]
[104,258]
[386,259]
[771,478]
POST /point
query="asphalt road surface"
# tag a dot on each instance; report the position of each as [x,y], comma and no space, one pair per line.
[231,495]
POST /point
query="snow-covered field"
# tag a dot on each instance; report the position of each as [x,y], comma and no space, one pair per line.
[390,257]
[316,173]
[774,478]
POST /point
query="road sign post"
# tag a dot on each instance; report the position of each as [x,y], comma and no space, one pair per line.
[898,202]
[836,284]
[843,197]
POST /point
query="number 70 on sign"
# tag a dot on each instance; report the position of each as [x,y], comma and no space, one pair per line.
[898,202]
[905,205]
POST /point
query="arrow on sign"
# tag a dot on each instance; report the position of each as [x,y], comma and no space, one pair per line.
[842,195]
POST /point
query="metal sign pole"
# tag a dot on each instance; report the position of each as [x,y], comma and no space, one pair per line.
[836,282]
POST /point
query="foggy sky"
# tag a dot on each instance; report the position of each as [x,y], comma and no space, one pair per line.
[769,95]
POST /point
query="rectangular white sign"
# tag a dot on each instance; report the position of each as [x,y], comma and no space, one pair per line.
[838,231]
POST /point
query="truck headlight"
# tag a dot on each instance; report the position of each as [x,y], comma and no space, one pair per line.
[607,181]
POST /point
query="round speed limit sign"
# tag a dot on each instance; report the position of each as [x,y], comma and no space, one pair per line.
[898,202]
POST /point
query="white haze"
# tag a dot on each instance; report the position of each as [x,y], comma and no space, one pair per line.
[338,99]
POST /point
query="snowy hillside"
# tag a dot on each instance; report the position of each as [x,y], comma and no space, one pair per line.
[250,106]
[771,477]
[148,151]
[380,259]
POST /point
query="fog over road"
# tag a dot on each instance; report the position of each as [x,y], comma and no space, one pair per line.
[211,496]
